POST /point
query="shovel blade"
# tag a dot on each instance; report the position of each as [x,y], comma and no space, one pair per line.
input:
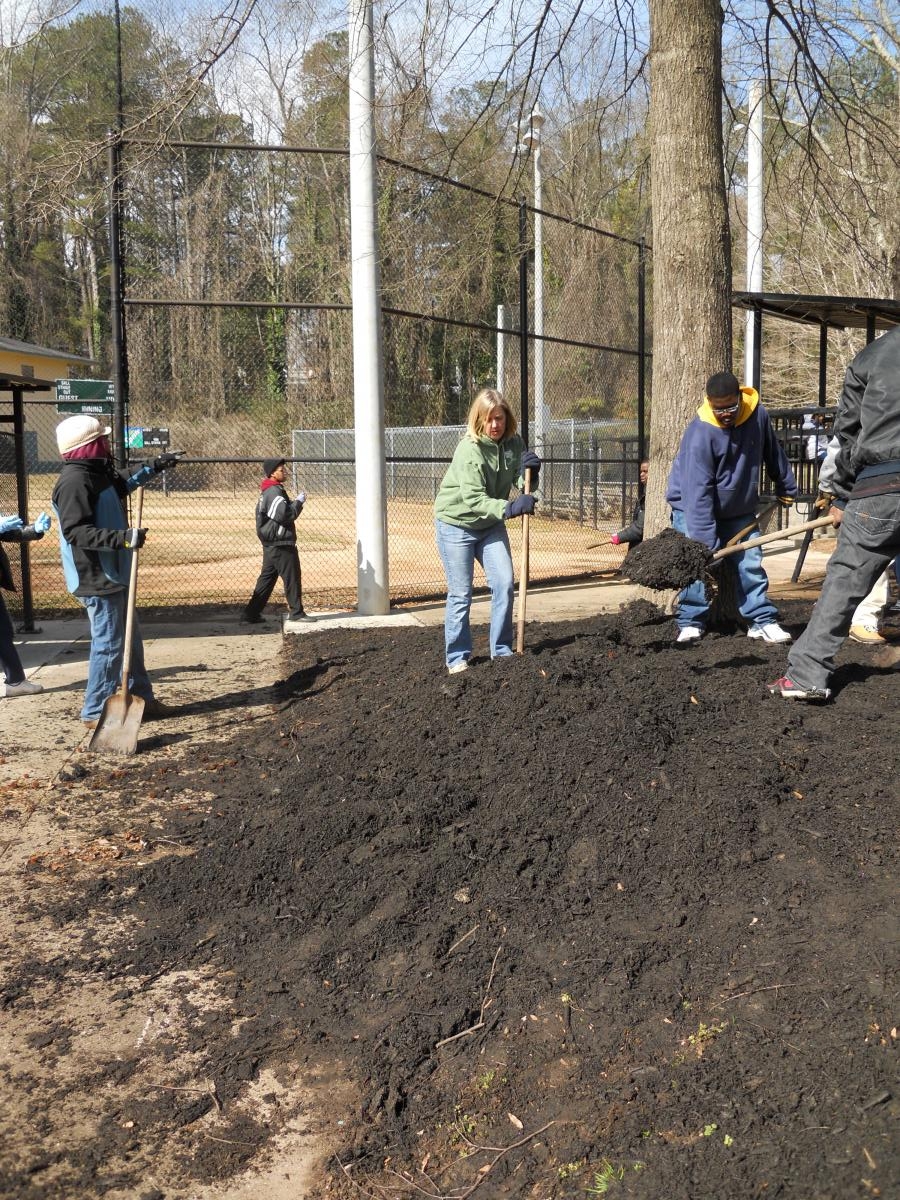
[119,725]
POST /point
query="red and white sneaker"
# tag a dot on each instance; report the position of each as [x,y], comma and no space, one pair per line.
[789,690]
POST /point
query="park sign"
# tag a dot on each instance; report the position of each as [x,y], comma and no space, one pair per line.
[139,438]
[93,397]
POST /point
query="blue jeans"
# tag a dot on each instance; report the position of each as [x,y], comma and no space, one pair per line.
[868,538]
[459,549]
[752,583]
[107,619]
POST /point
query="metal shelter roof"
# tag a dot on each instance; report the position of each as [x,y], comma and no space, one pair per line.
[834,312]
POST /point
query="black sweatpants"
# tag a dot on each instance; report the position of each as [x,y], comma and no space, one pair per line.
[283,561]
[10,663]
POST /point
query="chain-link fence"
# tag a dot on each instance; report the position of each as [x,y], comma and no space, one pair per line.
[237,333]
[202,547]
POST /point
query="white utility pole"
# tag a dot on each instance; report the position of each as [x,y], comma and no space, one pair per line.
[373,594]
[755,218]
[532,141]
[502,326]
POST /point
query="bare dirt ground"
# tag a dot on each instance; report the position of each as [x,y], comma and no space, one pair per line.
[603,919]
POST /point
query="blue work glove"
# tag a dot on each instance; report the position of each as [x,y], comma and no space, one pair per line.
[530,459]
[521,504]
[787,501]
[135,538]
[43,523]
[8,524]
[165,462]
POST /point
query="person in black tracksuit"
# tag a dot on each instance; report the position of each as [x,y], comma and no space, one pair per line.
[276,516]
[12,529]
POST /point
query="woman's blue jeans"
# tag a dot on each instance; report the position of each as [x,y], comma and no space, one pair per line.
[459,550]
[751,585]
[107,619]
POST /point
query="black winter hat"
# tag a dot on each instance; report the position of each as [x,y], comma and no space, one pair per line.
[271,465]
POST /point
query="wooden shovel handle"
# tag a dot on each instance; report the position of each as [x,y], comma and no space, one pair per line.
[733,541]
[132,597]
[523,572]
[776,535]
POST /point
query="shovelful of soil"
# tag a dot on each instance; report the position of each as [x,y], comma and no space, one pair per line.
[669,560]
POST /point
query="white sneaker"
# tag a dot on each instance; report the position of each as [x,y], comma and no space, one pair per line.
[462,665]
[771,632]
[25,688]
[690,633]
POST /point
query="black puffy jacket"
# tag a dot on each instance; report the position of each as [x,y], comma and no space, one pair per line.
[867,423]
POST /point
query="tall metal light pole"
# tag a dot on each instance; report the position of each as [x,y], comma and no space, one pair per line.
[531,141]
[755,219]
[373,593]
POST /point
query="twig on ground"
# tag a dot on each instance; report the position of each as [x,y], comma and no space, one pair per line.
[459,941]
[487,990]
[480,1023]
[772,987]
[488,1167]
[230,1142]
[454,1036]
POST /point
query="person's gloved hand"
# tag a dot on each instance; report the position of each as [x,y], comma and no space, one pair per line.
[824,500]
[787,501]
[530,460]
[135,538]
[165,462]
[301,498]
[7,524]
[519,506]
[43,522]
[615,539]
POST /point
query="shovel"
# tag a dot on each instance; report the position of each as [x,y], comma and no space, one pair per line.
[775,536]
[523,572]
[120,722]
[761,515]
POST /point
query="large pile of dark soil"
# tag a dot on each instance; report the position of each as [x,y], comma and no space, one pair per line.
[605,918]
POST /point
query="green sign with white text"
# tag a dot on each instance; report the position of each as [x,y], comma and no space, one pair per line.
[95,397]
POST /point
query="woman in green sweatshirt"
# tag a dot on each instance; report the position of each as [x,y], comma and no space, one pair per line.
[471,506]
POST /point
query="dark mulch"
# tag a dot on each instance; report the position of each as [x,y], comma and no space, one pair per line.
[654,908]
[669,560]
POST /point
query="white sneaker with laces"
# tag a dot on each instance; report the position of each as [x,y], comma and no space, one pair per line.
[771,632]
[690,633]
[25,688]
[462,665]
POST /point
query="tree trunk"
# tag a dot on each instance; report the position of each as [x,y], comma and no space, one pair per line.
[691,252]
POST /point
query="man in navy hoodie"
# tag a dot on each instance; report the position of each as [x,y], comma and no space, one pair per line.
[713,490]
[276,516]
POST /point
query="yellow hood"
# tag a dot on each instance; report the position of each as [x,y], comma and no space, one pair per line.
[749,401]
